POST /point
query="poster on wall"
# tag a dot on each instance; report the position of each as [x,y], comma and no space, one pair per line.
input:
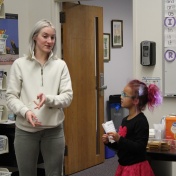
[9,48]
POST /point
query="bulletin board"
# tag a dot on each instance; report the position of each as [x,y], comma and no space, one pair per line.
[9,48]
[169,48]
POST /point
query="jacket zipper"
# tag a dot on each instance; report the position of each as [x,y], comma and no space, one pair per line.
[42,75]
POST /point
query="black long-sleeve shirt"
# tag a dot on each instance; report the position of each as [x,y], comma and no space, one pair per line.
[131,148]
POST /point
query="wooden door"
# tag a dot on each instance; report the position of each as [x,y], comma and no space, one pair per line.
[82,40]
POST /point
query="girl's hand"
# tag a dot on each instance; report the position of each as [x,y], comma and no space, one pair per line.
[42,99]
[32,119]
[114,135]
[105,139]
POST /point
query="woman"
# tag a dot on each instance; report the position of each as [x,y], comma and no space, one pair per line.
[39,88]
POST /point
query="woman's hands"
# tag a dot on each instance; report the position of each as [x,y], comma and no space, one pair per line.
[30,116]
[41,102]
[32,119]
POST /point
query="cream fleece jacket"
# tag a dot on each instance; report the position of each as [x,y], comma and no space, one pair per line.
[27,79]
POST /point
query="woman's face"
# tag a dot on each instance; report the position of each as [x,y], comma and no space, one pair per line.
[45,40]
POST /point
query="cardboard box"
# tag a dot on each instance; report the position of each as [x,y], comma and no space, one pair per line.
[170,127]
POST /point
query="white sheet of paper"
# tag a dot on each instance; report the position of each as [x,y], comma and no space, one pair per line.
[109,127]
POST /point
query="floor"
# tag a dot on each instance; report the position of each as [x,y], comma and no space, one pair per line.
[107,168]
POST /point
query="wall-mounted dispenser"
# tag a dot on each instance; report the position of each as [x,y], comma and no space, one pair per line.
[148,53]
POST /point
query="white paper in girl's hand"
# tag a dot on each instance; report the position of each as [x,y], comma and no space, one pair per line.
[109,127]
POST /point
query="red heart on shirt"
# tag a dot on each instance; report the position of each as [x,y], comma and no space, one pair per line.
[122,131]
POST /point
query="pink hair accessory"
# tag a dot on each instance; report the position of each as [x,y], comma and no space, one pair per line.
[154,96]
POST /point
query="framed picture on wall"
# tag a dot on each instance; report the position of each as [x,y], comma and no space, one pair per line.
[106,46]
[117,33]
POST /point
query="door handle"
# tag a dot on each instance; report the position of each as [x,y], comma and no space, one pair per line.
[103,87]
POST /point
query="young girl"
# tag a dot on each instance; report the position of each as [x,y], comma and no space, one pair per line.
[132,137]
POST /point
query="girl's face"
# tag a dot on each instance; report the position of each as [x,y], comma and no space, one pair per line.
[45,40]
[127,98]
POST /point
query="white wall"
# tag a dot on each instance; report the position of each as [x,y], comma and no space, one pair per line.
[148,26]
[147,22]
[147,17]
